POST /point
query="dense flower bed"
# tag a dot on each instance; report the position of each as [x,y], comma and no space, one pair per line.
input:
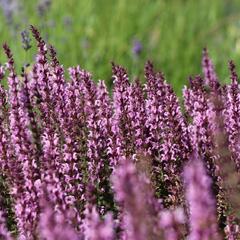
[77,162]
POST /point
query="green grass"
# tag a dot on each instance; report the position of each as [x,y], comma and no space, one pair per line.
[172,32]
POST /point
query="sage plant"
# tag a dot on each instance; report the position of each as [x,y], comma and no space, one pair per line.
[78,161]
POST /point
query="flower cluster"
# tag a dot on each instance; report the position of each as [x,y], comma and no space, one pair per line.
[79,162]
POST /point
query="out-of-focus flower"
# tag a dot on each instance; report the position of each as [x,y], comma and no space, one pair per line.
[43,6]
[138,207]
[53,225]
[170,222]
[201,202]
[97,229]
[26,40]
[67,21]
[137,48]
[4,233]
[9,8]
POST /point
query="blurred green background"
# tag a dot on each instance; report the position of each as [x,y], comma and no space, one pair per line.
[93,33]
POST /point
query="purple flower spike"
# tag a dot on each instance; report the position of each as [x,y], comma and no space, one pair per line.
[41,83]
[200,110]
[4,135]
[232,114]
[154,109]
[234,76]
[24,169]
[51,170]
[210,76]
[202,205]
[137,115]
[121,124]
[167,134]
